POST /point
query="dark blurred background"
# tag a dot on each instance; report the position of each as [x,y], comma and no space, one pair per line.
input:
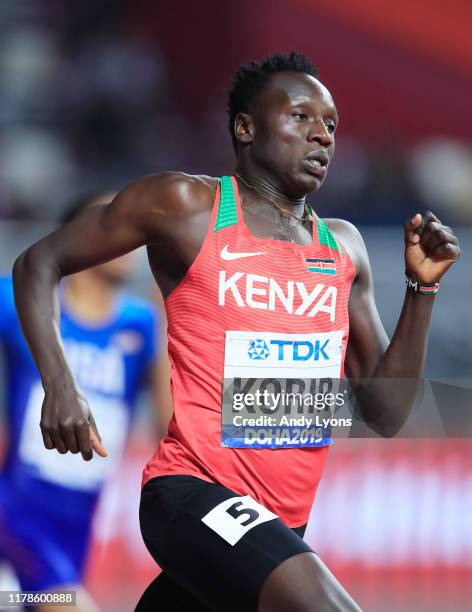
[106,91]
[96,94]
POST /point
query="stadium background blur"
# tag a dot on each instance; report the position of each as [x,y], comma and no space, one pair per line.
[96,94]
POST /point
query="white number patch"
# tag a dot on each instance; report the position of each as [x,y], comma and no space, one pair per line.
[236,516]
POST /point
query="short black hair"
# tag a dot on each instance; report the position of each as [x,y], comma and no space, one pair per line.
[251,78]
[81,203]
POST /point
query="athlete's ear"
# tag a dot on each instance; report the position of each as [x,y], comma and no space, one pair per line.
[244,128]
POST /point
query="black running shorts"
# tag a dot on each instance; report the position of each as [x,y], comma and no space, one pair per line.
[218,546]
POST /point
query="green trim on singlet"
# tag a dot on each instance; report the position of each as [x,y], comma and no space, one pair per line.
[227,213]
[326,237]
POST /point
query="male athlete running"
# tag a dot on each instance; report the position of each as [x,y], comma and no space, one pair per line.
[241,262]
[47,506]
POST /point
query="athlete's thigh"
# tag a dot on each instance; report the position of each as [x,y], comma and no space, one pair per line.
[217,545]
[303,583]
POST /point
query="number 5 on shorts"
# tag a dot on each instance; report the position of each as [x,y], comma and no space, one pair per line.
[236,516]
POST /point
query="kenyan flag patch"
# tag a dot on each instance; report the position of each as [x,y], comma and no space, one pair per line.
[322,266]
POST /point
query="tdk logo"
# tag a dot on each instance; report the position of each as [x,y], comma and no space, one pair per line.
[301,350]
[258,349]
[296,350]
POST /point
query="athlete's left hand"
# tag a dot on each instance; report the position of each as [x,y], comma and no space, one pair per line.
[430,248]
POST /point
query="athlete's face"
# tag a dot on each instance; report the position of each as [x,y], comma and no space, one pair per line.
[293,122]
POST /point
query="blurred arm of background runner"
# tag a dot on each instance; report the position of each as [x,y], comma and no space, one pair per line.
[160,375]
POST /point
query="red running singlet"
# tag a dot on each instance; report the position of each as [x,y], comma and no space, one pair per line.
[251,307]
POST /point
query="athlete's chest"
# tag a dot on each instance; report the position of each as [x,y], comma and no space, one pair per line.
[280,278]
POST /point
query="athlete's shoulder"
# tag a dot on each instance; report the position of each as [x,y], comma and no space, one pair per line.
[351,239]
[344,228]
[174,193]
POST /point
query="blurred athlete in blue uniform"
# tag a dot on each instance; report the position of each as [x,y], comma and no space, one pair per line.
[46,503]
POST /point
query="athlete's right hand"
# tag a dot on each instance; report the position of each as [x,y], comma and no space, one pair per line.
[67,423]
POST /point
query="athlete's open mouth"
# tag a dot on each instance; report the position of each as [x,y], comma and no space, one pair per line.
[316,162]
[320,155]
[315,167]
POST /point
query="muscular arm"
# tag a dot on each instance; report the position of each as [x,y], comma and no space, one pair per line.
[140,214]
[97,235]
[385,406]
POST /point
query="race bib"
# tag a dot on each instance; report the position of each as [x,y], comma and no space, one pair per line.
[234,517]
[70,470]
[280,390]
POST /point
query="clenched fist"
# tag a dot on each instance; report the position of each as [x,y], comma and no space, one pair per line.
[430,248]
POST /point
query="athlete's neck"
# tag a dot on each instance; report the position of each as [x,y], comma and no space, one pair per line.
[266,203]
[266,188]
[89,297]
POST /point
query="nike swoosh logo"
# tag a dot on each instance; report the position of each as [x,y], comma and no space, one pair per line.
[225,254]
